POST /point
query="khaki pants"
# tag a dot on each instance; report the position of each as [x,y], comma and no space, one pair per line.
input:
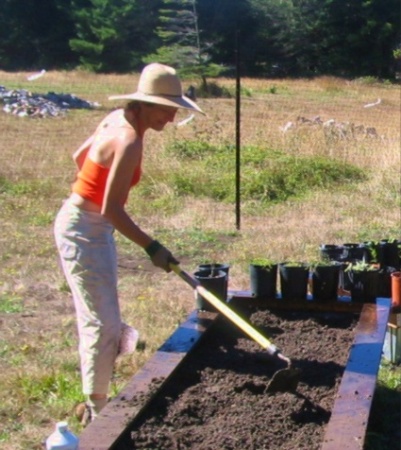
[88,256]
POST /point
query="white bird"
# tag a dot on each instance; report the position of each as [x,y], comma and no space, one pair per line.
[37,75]
[369,105]
[185,121]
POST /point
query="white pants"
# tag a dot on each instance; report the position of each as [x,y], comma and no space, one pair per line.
[88,256]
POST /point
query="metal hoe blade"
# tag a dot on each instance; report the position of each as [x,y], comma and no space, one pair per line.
[284,380]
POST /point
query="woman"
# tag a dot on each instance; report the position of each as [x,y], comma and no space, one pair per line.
[109,164]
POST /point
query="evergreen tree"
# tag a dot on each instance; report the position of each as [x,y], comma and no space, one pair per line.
[276,37]
[273,42]
[226,23]
[182,43]
[112,36]
[361,36]
[34,34]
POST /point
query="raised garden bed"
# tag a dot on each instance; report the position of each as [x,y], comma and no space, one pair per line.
[213,395]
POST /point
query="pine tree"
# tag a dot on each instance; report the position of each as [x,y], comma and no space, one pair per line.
[112,36]
[181,37]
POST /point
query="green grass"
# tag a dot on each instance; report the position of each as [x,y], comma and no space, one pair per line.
[195,244]
[385,417]
[11,303]
[268,175]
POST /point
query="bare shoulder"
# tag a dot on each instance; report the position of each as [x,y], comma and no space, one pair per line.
[114,138]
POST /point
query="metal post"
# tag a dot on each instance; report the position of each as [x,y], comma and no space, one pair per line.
[237,136]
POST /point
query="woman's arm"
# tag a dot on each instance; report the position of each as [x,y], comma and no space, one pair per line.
[127,156]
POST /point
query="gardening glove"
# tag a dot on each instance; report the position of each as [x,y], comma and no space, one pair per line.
[160,256]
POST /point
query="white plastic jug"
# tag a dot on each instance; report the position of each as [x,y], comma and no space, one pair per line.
[62,438]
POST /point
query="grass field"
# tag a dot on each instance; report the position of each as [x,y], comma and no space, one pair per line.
[317,166]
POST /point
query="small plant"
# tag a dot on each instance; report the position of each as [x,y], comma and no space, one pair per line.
[294,264]
[361,266]
[322,262]
[263,262]
[372,247]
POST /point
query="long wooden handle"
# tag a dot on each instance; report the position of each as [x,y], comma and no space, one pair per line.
[224,309]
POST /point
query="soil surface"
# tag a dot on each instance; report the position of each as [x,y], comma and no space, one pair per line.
[219,398]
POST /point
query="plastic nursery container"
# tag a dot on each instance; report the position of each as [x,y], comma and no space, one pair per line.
[293,280]
[325,281]
[263,281]
[355,252]
[62,438]
[364,285]
[214,282]
[332,252]
[214,268]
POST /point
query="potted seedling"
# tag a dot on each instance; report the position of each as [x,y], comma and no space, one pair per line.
[385,254]
[263,277]
[363,279]
[294,277]
[325,279]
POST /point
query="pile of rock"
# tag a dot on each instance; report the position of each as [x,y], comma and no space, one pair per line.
[23,103]
[333,128]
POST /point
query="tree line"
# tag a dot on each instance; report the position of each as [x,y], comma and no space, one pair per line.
[347,38]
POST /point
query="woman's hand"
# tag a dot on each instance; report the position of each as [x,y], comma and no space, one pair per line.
[160,256]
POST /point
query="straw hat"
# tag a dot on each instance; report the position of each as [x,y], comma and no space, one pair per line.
[160,84]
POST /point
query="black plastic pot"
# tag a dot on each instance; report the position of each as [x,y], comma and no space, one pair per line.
[294,281]
[332,252]
[345,282]
[325,282]
[215,268]
[388,254]
[385,281]
[364,285]
[356,252]
[213,281]
[263,281]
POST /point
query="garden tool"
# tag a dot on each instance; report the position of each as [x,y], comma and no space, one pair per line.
[283,380]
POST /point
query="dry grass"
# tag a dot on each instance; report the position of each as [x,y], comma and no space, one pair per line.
[41,339]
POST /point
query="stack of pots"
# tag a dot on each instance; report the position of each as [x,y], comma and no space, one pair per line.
[382,258]
[214,278]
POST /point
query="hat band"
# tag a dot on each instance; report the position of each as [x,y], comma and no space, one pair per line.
[162,95]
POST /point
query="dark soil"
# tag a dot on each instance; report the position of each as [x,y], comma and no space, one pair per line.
[219,400]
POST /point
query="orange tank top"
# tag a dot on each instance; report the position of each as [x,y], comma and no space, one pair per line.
[91,181]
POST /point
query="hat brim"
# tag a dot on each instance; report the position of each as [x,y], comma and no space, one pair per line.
[176,102]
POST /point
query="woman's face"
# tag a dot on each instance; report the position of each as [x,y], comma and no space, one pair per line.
[157,116]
